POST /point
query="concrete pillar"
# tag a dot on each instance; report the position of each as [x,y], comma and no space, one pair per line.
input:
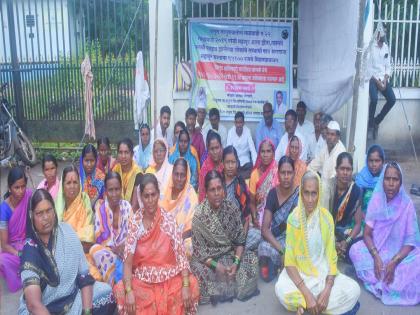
[164,59]
[363,105]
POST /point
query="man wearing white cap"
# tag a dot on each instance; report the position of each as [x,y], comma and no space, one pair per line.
[325,162]
[203,125]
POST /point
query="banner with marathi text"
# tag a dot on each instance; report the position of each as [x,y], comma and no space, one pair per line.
[240,65]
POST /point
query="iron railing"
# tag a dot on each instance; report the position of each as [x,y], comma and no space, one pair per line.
[402,21]
[53,37]
[402,18]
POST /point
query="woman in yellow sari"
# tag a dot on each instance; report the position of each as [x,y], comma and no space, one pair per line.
[73,207]
[127,168]
[180,199]
[310,279]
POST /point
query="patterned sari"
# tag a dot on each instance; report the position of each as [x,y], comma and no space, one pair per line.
[80,216]
[14,221]
[158,261]
[237,192]
[343,208]
[182,208]
[107,238]
[278,227]
[107,167]
[61,271]
[310,248]
[92,184]
[394,225]
[128,179]
[300,165]
[267,180]
[215,234]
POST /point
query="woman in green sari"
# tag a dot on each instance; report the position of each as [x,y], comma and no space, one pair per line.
[224,268]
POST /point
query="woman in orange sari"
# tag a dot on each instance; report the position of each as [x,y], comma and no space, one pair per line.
[294,150]
[180,199]
[157,277]
[73,207]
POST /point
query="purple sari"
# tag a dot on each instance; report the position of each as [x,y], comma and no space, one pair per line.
[16,228]
[394,225]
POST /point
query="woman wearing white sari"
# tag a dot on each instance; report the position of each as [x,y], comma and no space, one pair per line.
[310,279]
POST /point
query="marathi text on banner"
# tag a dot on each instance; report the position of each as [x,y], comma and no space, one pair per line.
[238,66]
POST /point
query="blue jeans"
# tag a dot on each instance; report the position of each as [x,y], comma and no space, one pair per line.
[373,94]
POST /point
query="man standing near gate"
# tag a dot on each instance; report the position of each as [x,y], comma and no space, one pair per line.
[379,68]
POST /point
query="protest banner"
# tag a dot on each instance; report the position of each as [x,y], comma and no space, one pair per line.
[240,65]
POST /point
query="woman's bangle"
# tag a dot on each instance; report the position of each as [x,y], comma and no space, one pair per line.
[349,240]
[236,260]
[373,251]
[396,258]
[186,282]
[300,283]
[281,252]
[128,290]
[213,264]
[87,311]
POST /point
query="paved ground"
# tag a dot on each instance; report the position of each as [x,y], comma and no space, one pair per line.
[266,302]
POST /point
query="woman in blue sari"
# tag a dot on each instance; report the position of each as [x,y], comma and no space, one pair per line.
[54,271]
[369,175]
[183,149]
[143,151]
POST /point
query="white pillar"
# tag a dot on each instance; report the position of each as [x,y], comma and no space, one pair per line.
[165,59]
[363,105]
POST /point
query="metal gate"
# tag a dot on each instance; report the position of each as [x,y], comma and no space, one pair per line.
[42,45]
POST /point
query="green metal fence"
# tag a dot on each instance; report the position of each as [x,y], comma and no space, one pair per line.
[42,44]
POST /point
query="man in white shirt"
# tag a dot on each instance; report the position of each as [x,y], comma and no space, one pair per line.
[379,68]
[162,128]
[202,124]
[316,140]
[325,162]
[280,107]
[215,125]
[304,126]
[239,136]
[290,124]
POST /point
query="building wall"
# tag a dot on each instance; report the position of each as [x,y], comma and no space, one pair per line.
[49,38]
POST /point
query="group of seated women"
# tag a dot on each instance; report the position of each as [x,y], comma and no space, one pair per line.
[165,236]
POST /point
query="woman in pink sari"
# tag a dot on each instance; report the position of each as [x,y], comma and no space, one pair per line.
[50,183]
[263,178]
[13,227]
[214,161]
[388,258]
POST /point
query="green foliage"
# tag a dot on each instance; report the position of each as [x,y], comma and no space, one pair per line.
[58,94]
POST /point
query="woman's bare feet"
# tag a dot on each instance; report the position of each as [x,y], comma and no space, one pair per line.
[300,311]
